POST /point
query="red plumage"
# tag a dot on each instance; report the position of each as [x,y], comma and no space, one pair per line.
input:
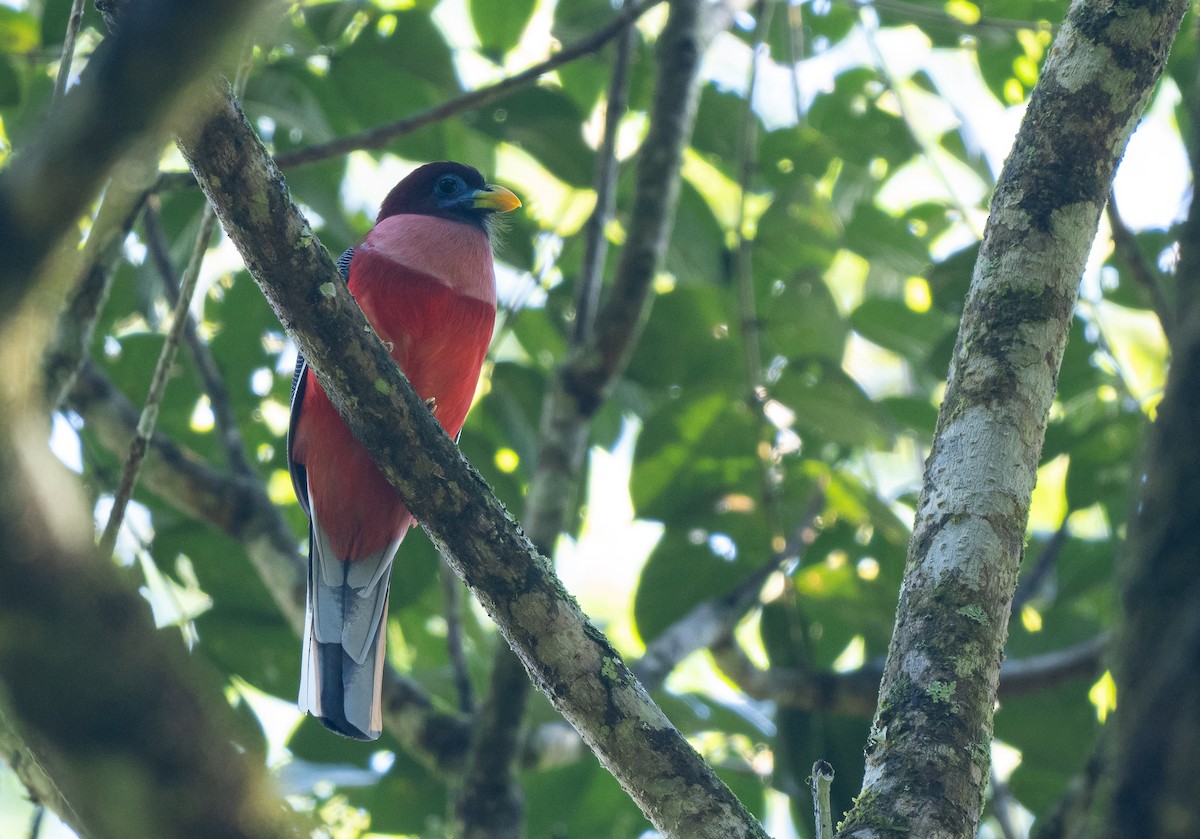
[424,279]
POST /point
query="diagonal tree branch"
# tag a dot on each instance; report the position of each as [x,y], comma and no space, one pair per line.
[855,693]
[210,373]
[158,386]
[1143,272]
[380,136]
[711,623]
[566,656]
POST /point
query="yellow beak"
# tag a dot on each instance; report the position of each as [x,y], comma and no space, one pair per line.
[496,198]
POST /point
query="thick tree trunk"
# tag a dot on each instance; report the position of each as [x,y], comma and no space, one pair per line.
[928,759]
[1155,766]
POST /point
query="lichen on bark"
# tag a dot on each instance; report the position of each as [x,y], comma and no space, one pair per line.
[927,762]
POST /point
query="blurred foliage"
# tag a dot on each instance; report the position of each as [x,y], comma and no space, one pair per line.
[864,213]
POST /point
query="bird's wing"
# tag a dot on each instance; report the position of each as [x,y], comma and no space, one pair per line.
[296,470]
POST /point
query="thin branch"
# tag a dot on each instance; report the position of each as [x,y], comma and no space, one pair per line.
[158,385]
[452,609]
[380,136]
[595,245]
[224,416]
[854,693]
[1032,578]
[76,325]
[1022,676]
[490,804]
[1144,274]
[915,11]
[869,28]
[822,780]
[74,22]
[1002,801]
[711,623]
[795,44]
[750,329]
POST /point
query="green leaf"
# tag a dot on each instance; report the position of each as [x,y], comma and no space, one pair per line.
[830,407]
[684,564]
[691,453]
[688,346]
[546,123]
[499,24]
[18,31]
[1054,729]
[894,326]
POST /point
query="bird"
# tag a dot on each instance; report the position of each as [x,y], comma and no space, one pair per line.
[424,277]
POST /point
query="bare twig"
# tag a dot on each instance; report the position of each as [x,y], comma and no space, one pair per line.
[380,136]
[795,44]
[1144,274]
[1002,801]
[710,624]
[868,25]
[1031,580]
[76,325]
[750,329]
[915,11]
[822,780]
[453,613]
[854,693]
[74,22]
[490,804]
[595,247]
[158,386]
[35,823]
[224,416]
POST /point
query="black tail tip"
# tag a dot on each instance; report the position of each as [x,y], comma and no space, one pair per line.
[340,725]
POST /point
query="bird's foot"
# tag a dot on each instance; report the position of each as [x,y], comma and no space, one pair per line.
[431,403]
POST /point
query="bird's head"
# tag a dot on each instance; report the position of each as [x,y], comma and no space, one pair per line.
[448,190]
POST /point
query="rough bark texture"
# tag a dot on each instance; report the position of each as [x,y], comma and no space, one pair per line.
[928,758]
[566,656]
[1154,773]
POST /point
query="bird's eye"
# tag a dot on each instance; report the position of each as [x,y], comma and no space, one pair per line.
[447,185]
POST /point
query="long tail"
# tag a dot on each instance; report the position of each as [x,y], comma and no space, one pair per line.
[344,639]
